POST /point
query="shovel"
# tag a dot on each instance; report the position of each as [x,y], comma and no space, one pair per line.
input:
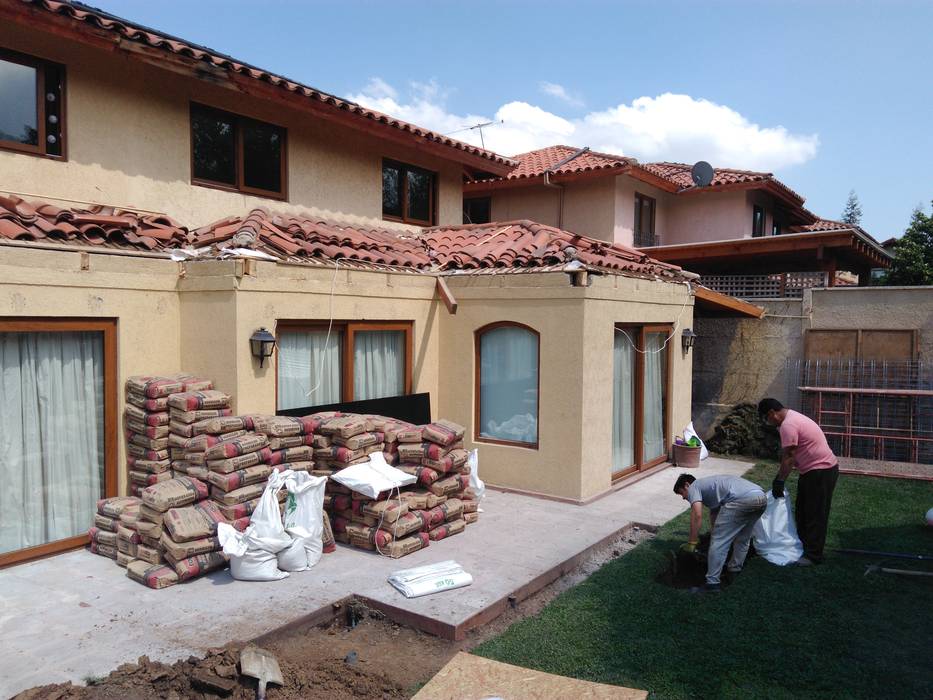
[262,665]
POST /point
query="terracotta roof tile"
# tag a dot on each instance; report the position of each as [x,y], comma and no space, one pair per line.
[824,225]
[535,163]
[127,30]
[679,174]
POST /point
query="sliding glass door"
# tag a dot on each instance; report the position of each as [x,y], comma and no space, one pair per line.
[641,366]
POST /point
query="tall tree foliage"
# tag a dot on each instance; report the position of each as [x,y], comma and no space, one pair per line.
[913,253]
[852,214]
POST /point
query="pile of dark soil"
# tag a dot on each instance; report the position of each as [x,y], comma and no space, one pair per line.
[742,432]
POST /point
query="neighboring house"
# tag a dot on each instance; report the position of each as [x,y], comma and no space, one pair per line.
[744,225]
[562,355]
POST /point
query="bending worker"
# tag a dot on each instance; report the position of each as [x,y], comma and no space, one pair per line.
[735,505]
[804,446]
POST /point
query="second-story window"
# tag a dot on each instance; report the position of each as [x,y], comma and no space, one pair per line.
[477,210]
[775,228]
[238,153]
[31,105]
[758,222]
[644,221]
[408,193]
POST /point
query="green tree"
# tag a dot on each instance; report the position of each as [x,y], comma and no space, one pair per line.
[913,253]
[852,214]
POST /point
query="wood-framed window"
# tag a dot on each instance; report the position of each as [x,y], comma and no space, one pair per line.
[644,220]
[32,105]
[58,454]
[318,364]
[477,210]
[641,397]
[507,385]
[775,228]
[236,153]
[758,221]
[409,193]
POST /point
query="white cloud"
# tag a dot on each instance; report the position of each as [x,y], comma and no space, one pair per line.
[666,127]
[560,92]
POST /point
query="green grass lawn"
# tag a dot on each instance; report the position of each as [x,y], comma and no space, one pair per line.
[776,632]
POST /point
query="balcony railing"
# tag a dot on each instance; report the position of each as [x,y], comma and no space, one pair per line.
[646,240]
[777,286]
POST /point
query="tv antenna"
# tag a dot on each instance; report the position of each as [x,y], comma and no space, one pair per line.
[701,173]
[477,127]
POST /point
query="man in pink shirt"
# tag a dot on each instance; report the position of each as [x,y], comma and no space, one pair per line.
[804,447]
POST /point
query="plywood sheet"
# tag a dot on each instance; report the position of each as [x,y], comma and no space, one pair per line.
[832,345]
[468,677]
[887,345]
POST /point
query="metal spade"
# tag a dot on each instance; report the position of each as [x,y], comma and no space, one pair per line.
[262,665]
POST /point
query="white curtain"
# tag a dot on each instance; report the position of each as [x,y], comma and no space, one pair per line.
[509,384]
[378,364]
[623,402]
[655,363]
[303,358]
[51,435]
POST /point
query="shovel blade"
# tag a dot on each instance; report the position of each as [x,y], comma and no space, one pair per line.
[260,664]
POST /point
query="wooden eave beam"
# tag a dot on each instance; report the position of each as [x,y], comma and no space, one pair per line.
[85,33]
[725,303]
[447,296]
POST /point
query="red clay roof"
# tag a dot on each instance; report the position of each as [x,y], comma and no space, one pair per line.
[679,174]
[535,163]
[513,245]
[125,30]
[825,225]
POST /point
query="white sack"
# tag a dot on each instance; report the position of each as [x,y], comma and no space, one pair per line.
[689,432]
[373,477]
[475,482]
[304,515]
[248,561]
[293,557]
[775,534]
[430,578]
[266,521]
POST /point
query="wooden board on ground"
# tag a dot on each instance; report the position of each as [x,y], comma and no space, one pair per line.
[468,677]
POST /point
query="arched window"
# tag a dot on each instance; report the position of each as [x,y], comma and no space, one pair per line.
[507,384]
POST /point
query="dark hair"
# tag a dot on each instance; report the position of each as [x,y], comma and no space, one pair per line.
[767,405]
[683,480]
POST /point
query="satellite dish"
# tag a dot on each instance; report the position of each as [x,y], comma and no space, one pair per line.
[702,173]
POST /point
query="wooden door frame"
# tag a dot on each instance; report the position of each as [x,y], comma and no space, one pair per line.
[108,327]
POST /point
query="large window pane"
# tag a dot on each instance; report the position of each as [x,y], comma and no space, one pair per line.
[420,184]
[309,368]
[214,146]
[477,210]
[19,119]
[655,374]
[262,156]
[378,364]
[509,384]
[391,191]
[52,440]
[623,401]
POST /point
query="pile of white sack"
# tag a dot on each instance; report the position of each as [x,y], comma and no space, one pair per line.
[276,544]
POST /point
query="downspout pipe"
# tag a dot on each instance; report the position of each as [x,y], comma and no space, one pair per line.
[548,183]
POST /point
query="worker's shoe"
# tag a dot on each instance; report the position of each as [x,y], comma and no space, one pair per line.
[803,561]
[707,588]
[734,570]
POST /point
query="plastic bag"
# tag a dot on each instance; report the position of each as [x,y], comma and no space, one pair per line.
[248,561]
[304,515]
[266,521]
[373,477]
[690,433]
[775,534]
[475,482]
[293,557]
[431,578]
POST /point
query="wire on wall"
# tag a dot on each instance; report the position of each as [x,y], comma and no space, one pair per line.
[673,330]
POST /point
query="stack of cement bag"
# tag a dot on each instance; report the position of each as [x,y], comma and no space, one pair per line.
[105,531]
[193,415]
[344,439]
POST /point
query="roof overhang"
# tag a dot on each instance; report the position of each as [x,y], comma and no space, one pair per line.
[793,252]
[708,303]
[253,82]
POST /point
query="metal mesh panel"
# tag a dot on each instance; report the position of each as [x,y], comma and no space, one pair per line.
[777,286]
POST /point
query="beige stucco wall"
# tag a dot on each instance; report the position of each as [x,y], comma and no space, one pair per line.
[576,327]
[710,216]
[624,226]
[128,142]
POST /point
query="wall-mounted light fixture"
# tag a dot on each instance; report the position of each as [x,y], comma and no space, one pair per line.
[687,339]
[261,345]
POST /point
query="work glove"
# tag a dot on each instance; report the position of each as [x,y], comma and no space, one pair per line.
[777,488]
[689,547]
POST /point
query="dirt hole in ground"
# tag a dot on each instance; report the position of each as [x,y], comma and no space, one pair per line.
[688,570]
[359,655]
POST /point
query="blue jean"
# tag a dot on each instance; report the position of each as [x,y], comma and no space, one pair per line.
[734,524]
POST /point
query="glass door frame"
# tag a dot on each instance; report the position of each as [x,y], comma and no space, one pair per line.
[639,332]
[108,330]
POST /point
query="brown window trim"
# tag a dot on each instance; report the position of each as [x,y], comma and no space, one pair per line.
[477,386]
[111,433]
[640,331]
[349,329]
[39,149]
[637,236]
[240,187]
[404,218]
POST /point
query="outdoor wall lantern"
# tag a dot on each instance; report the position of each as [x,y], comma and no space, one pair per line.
[687,339]
[261,345]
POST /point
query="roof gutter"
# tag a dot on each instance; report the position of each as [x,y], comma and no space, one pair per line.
[548,183]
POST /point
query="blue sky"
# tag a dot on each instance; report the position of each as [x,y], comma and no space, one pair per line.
[830,96]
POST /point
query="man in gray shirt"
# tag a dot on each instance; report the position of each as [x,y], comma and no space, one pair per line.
[735,505]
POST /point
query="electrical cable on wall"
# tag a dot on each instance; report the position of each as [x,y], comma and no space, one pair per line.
[673,330]
[330,325]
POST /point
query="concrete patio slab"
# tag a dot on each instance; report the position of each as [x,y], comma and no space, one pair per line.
[76,615]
